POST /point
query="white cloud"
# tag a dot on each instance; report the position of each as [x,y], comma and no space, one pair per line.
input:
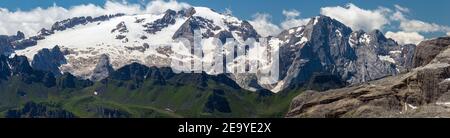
[420,26]
[400,8]
[448,33]
[412,25]
[262,24]
[30,22]
[358,18]
[365,19]
[160,6]
[405,37]
[291,13]
[292,20]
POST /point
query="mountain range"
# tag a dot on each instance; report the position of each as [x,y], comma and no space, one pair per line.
[119,66]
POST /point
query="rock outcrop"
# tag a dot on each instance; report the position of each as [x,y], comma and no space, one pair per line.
[49,60]
[327,46]
[7,42]
[427,50]
[103,68]
[422,92]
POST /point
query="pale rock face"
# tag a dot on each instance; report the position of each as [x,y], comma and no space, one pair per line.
[327,46]
[102,69]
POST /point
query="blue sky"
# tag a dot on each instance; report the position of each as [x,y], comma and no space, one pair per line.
[436,11]
[431,15]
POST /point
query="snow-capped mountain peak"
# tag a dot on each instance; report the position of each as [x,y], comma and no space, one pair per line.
[145,38]
[91,47]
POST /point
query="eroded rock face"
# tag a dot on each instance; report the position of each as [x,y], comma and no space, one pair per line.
[427,50]
[166,20]
[20,67]
[422,92]
[326,46]
[49,60]
[103,68]
[7,42]
[369,100]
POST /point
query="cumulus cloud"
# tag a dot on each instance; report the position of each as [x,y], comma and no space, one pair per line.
[405,37]
[358,18]
[412,25]
[410,29]
[160,6]
[262,24]
[420,26]
[448,33]
[30,22]
[292,20]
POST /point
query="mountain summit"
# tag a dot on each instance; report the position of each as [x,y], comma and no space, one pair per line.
[327,50]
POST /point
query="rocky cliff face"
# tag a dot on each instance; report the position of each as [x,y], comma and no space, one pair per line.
[20,67]
[326,46]
[49,60]
[103,68]
[7,42]
[427,50]
[422,92]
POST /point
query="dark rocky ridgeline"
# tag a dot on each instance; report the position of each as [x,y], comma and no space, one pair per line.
[19,67]
[7,42]
[194,23]
[49,60]
[5,69]
[168,19]
[69,23]
[39,110]
[422,92]
[121,30]
[132,76]
[68,81]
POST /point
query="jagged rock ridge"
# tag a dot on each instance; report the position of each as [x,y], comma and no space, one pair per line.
[422,92]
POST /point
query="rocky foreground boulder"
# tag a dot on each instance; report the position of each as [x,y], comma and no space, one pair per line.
[421,92]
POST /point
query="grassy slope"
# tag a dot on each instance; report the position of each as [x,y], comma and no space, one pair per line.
[147,101]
